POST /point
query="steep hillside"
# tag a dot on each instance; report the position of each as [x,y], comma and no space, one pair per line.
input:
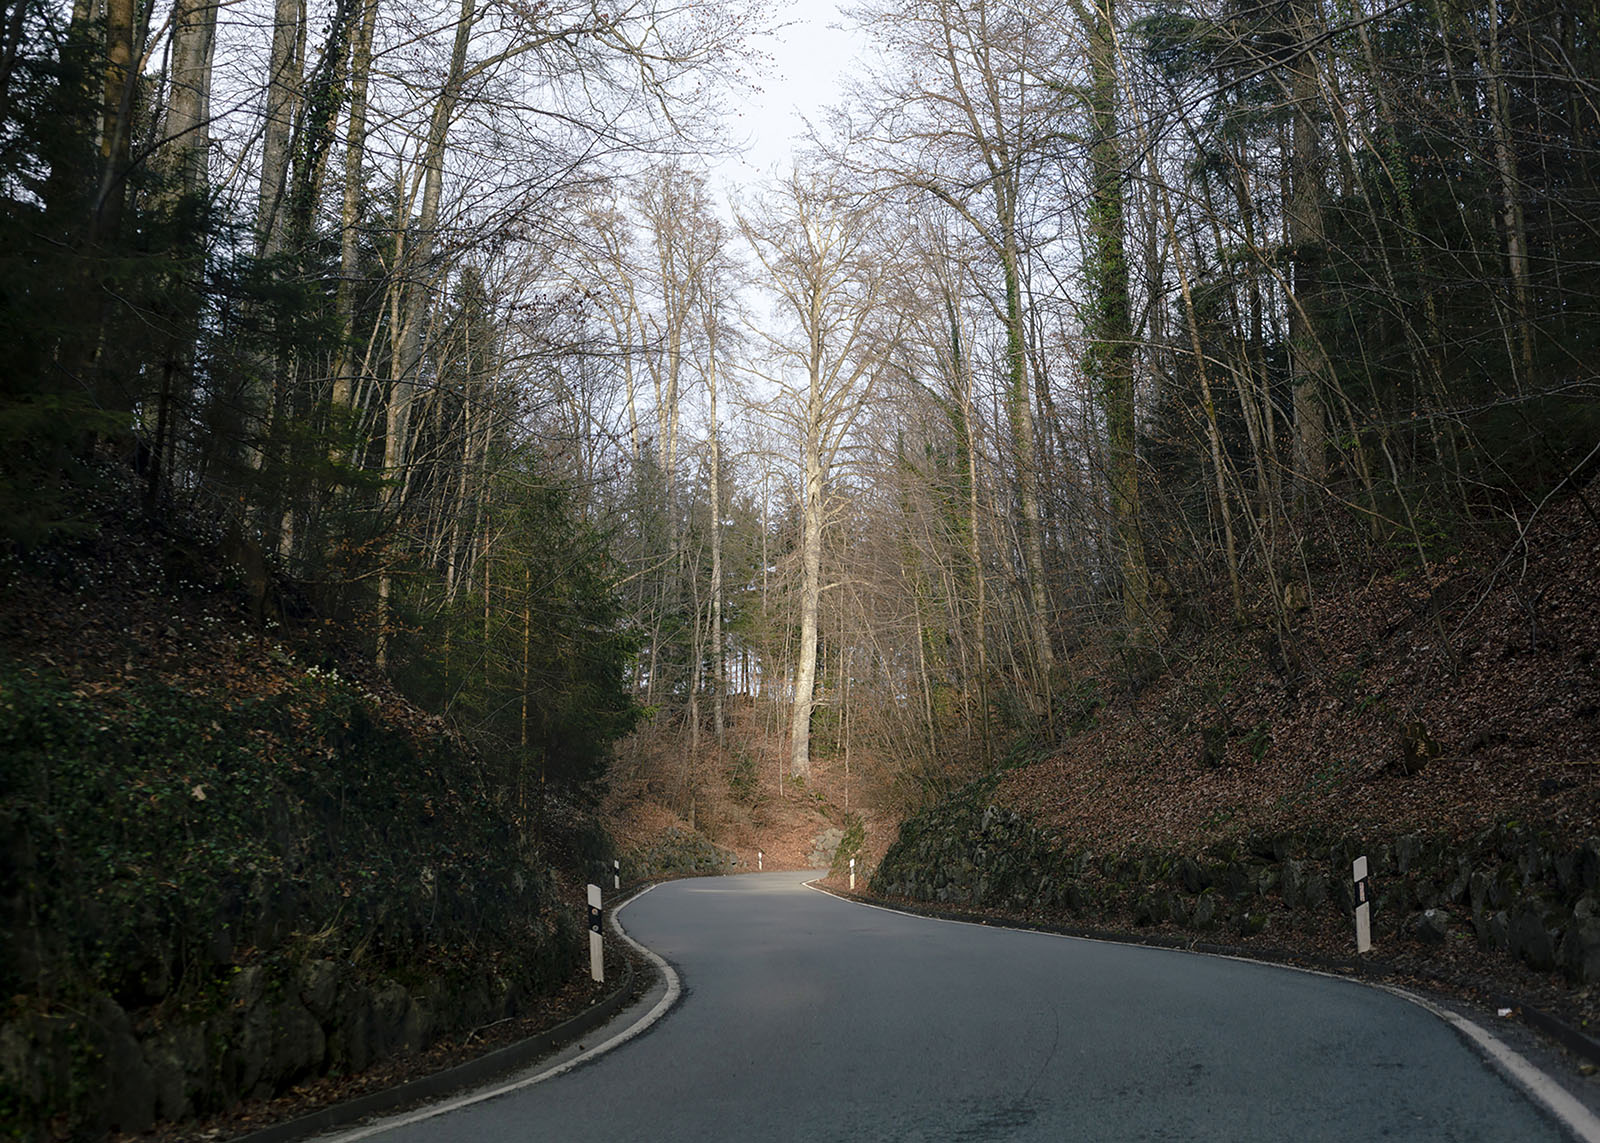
[1442,702]
[740,814]
[237,864]
[1446,724]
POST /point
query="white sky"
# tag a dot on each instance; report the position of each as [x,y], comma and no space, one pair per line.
[809,54]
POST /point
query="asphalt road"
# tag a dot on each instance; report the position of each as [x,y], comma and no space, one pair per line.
[809,1018]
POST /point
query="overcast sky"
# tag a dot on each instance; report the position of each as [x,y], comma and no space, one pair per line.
[808,57]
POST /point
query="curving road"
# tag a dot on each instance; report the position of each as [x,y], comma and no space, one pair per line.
[809,1018]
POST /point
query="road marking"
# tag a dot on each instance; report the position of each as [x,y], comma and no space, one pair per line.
[1537,1084]
[674,990]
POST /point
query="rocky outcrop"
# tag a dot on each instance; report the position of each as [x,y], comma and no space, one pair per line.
[824,848]
[1514,890]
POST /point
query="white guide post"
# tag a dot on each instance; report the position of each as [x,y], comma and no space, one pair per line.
[1363,907]
[616,873]
[760,861]
[852,875]
[597,963]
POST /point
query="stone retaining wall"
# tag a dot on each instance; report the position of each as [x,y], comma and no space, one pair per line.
[268,1028]
[1513,889]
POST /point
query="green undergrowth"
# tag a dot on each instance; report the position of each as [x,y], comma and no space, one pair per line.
[855,836]
[156,837]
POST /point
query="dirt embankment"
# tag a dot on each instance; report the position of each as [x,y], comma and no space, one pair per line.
[742,811]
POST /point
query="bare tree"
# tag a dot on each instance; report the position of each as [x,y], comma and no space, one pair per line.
[962,123]
[813,245]
[187,128]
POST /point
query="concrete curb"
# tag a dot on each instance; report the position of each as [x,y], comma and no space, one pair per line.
[439,1084]
[1551,1027]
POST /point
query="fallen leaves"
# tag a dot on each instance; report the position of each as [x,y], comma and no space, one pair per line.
[1501,716]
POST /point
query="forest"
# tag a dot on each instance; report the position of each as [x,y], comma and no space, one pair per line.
[1152,355]
[1078,325]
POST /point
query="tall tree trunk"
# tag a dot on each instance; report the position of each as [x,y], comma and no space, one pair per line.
[264,400]
[1111,327]
[101,227]
[966,437]
[186,131]
[813,248]
[419,257]
[188,117]
[1516,231]
[283,94]
[116,122]
[697,651]
[719,671]
[805,670]
[1213,435]
[1024,451]
[1308,364]
[350,210]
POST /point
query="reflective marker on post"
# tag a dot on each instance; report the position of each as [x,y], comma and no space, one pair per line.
[597,964]
[1363,907]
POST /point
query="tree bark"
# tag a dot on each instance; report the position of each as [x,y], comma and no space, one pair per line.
[350,210]
[188,118]
[805,672]
[1308,364]
[719,672]
[419,257]
[1024,453]
[116,127]
[1110,357]
[283,94]
[1511,212]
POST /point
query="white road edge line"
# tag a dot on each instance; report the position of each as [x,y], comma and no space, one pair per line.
[1539,1087]
[1577,1118]
[674,990]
